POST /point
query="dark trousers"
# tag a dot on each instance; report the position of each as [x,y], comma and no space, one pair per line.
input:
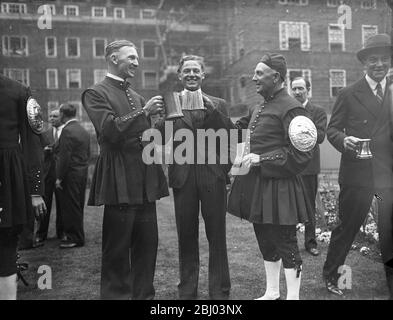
[129,252]
[43,223]
[279,242]
[72,202]
[212,198]
[354,205]
[310,183]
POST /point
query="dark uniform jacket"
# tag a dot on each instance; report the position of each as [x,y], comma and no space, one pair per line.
[318,115]
[120,175]
[357,113]
[216,118]
[73,151]
[21,155]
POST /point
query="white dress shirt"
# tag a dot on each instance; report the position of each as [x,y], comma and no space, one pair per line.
[373,84]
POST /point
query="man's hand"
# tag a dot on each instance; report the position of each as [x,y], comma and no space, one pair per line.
[351,143]
[154,105]
[250,160]
[58,184]
[39,206]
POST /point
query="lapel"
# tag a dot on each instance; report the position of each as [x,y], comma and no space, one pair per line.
[366,98]
[384,111]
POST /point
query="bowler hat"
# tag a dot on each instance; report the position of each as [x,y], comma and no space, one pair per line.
[379,41]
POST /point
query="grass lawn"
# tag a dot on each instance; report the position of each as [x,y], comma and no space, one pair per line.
[76,272]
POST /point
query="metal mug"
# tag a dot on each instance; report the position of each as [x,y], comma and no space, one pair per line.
[363,151]
[172,105]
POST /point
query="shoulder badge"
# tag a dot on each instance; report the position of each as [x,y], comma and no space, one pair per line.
[302,133]
[34,115]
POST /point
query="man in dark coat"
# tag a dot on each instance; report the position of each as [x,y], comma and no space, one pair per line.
[49,141]
[300,89]
[363,111]
[72,163]
[200,185]
[122,181]
[20,174]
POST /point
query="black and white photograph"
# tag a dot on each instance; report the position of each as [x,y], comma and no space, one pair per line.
[214,151]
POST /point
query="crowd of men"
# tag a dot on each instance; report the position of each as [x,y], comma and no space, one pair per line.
[275,193]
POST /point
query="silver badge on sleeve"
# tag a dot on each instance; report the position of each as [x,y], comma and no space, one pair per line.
[34,115]
[302,133]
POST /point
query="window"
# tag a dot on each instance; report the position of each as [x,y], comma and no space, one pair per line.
[99,45]
[294,35]
[119,13]
[99,75]
[368,4]
[12,7]
[294,2]
[50,9]
[98,12]
[336,37]
[149,49]
[50,47]
[240,44]
[150,80]
[73,78]
[148,14]
[71,11]
[72,47]
[333,3]
[15,46]
[21,75]
[51,79]
[367,32]
[293,73]
[337,81]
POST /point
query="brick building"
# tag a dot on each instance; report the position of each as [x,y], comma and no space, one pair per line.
[309,34]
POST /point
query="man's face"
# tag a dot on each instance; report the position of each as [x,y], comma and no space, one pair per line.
[264,78]
[377,65]
[299,90]
[126,60]
[54,118]
[191,75]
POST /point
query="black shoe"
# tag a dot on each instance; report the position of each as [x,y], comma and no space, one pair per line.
[69,245]
[333,288]
[313,251]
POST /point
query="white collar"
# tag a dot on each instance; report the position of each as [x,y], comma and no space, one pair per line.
[305,103]
[73,119]
[186,91]
[373,84]
[110,75]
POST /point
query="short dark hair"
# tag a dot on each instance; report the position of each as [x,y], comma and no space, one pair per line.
[191,58]
[68,110]
[116,45]
[308,84]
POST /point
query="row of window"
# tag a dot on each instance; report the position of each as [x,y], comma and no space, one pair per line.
[73,11]
[364,4]
[74,77]
[18,46]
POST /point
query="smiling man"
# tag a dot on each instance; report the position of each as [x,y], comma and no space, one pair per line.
[271,195]
[122,182]
[363,111]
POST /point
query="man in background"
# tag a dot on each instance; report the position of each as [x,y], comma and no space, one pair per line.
[300,90]
[49,141]
[71,176]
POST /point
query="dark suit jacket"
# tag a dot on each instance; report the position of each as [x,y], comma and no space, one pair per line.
[318,115]
[120,175]
[357,113]
[73,151]
[214,119]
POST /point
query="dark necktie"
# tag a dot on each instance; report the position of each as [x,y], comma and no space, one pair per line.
[379,94]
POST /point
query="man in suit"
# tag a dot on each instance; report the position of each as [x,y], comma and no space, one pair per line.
[122,182]
[363,111]
[49,141]
[72,164]
[20,174]
[198,186]
[300,89]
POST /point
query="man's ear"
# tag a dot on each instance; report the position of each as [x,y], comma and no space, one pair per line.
[202,75]
[179,76]
[113,58]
